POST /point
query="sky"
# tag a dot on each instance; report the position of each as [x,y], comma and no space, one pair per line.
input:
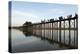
[35,12]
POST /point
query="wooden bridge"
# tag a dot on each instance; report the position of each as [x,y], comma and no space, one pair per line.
[64,30]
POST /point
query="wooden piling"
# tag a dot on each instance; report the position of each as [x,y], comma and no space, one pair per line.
[69,32]
[44,30]
[74,32]
[64,32]
[60,31]
[77,31]
[52,31]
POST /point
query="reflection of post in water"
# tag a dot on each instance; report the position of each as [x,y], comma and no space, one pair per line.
[48,31]
[60,28]
[64,31]
[70,16]
[57,31]
[74,32]
[52,31]
[69,33]
[76,16]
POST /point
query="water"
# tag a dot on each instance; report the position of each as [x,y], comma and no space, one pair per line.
[21,42]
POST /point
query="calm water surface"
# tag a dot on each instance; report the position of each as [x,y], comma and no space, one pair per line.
[23,43]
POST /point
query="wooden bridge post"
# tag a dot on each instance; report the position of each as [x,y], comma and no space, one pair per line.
[49,30]
[35,29]
[52,30]
[41,29]
[60,28]
[74,32]
[32,30]
[76,28]
[44,29]
[64,31]
[69,32]
[57,31]
[60,31]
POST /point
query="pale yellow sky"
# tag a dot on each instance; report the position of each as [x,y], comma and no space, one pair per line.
[78,1]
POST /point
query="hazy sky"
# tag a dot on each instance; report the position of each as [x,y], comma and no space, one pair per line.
[35,12]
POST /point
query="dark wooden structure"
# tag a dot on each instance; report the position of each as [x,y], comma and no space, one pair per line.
[64,30]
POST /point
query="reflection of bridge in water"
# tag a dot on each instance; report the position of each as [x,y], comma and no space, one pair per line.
[63,31]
